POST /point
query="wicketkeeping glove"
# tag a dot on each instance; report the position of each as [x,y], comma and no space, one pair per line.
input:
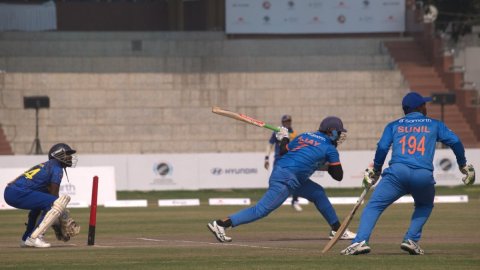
[469,173]
[283,133]
[370,177]
[66,227]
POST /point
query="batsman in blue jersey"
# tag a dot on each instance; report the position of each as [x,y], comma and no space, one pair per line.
[299,160]
[413,139]
[37,190]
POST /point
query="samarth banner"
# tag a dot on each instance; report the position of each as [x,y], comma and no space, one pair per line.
[79,188]
[314,16]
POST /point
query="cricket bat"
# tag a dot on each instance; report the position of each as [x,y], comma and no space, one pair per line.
[244,118]
[345,222]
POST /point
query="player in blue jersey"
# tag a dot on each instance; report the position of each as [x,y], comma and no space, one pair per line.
[37,190]
[300,159]
[274,143]
[410,171]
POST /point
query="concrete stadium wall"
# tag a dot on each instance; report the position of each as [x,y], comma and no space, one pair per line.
[152,92]
[166,113]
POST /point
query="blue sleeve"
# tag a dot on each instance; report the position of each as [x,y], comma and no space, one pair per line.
[57,175]
[383,146]
[332,156]
[449,138]
[273,139]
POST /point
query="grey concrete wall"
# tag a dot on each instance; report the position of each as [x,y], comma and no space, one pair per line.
[194,64]
[153,92]
[171,112]
[175,44]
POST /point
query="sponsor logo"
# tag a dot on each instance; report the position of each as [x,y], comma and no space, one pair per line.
[241,5]
[341,19]
[425,120]
[266,5]
[315,4]
[291,4]
[315,19]
[391,18]
[266,19]
[68,189]
[366,19]
[216,171]
[391,3]
[446,164]
[316,136]
[366,3]
[445,170]
[290,20]
[163,169]
[233,171]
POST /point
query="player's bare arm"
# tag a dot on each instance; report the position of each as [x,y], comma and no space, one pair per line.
[54,189]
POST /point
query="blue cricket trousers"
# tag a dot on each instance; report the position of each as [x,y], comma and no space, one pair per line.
[397,181]
[39,203]
[282,184]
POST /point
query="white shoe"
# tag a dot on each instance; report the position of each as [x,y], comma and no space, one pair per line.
[297,207]
[411,247]
[219,232]
[36,242]
[356,249]
[22,244]
[347,235]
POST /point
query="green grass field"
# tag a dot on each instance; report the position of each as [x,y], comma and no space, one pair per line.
[177,238]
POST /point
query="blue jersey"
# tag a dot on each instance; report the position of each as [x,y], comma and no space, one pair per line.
[273,140]
[307,153]
[413,139]
[40,176]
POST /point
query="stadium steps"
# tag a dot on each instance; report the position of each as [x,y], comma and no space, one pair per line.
[422,77]
[5,148]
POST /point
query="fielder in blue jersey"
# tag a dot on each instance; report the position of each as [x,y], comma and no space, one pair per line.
[299,160]
[413,139]
[37,190]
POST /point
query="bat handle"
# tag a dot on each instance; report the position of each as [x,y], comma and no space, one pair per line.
[273,128]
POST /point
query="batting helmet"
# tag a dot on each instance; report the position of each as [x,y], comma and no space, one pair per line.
[63,153]
[332,123]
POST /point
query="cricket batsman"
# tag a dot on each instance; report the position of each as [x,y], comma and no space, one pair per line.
[299,160]
[37,190]
[410,171]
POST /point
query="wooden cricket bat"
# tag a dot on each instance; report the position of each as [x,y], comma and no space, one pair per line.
[345,222]
[244,118]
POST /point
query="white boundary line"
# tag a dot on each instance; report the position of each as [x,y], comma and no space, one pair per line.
[219,244]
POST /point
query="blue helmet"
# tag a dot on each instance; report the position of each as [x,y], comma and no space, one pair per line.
[63,153]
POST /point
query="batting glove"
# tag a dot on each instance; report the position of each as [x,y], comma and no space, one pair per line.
[370,177]
[469,173]
[283,133]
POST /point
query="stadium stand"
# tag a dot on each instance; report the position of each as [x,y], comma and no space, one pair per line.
[150,92]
